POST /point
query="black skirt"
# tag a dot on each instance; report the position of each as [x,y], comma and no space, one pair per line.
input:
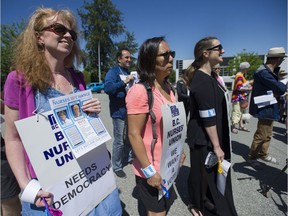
[149,196]
[202,186]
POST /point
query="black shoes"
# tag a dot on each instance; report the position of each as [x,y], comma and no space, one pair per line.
[120,174]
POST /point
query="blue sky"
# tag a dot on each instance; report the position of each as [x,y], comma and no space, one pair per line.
[253,25]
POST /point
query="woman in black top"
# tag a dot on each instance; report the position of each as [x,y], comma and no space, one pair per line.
[208,130]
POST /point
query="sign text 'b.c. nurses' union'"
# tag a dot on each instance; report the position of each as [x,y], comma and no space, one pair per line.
[174,134]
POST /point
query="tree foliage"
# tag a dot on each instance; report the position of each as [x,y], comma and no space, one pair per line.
[102,24]
[253,58]
[9,34]
[172,77]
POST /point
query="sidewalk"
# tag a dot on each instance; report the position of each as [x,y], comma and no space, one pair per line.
[248,200]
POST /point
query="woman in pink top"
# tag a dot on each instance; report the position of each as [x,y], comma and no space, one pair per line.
[44,58]
[155,63]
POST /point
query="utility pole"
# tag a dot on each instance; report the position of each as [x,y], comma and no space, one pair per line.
[99,62]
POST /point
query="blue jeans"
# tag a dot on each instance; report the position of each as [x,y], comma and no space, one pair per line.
[118,151]
[110,206]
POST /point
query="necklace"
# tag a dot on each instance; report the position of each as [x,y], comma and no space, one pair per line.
[60,83]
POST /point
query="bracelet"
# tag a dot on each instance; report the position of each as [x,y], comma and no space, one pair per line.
[149,171]
[30,191]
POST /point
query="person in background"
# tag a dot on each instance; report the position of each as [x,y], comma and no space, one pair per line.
[117,82]
[10,190]
[217,70]
[155,64]
[183,91]
[240,93]
[283,98]
[265,81]
[208,131]
[43,59]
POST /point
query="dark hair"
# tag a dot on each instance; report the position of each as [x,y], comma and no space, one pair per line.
[119,52]
[200,47]
[272,60]
[185,76]
[146,62]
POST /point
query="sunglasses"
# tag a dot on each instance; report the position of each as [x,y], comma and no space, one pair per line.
[61,30]
[216,48]
[217,68]
[167,54]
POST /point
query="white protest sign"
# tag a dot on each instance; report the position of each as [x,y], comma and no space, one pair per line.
[78,185]
[83,131]
[264,100]
[174,135]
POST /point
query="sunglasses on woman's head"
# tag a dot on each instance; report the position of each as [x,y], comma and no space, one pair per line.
[167,54]
[61,30]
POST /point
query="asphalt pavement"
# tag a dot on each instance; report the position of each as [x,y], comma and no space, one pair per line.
[249,185]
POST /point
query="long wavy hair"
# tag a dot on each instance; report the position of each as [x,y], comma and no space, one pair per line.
[146,62]
[200,47]
[28,55]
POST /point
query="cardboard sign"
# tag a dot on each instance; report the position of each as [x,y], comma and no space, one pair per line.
[78,184]
[174,135]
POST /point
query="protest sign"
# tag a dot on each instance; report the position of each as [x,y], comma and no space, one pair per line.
[84,131]
[174,135]
[78,184]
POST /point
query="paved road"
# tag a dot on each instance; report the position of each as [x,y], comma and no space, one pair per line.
[248,200]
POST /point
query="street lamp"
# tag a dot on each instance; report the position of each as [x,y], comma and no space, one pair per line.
[102,37]
[99,62]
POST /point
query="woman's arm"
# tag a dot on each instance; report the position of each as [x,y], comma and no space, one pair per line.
[15,155]
[212,133]
[246,87]
[136,123]
[15,148]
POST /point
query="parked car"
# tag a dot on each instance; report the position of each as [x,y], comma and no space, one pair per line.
[96,87]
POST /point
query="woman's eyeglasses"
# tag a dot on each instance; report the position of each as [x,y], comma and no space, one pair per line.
[217,48]
[167,54]
[61,30]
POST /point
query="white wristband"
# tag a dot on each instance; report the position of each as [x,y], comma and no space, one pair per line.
[149,171]
[30,191]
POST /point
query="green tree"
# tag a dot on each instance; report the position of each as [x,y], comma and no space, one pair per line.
[172,77]
[102,24]
[9,34]
[253,59]
[87,76]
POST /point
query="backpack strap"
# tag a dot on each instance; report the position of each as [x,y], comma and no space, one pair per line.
[152,115]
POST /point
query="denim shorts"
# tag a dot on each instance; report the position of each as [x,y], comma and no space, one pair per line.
[110,206]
